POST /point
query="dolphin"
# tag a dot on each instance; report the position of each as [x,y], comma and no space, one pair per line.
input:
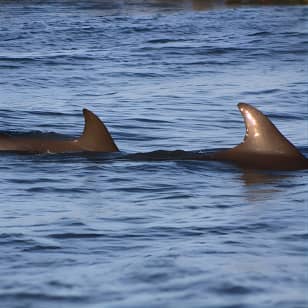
[263,147]
[95,138]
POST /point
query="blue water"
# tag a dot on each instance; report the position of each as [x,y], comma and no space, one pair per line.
[102,231]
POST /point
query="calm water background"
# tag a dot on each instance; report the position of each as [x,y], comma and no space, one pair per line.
[99,231]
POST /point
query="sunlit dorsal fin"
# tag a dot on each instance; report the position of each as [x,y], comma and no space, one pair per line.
[262,136]
[95,136]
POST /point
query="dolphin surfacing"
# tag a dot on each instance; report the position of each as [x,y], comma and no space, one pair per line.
[95,138]
[263,147]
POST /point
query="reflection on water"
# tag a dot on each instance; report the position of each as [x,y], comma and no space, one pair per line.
[261,185]
[253,177]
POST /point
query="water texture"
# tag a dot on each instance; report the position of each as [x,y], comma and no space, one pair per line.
[153,230]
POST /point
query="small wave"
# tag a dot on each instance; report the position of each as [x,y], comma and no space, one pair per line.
[63,236]
[138,30]
[27,244]
[261,33]
[221,50]
[166,155]
[15,239]
[17,59]
[285,116]
[235,289]
[37,134]
[267,91]
[50,113]
[9,66]
[49,59]
[164,41]
[39,248]
[48,189]
[296,237]
[148,120]
[41,296]
[134,74]
[10,238]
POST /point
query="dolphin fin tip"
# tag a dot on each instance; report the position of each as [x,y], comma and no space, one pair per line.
[85,111]
[241,105]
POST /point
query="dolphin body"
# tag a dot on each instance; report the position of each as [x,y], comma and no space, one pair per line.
[263,147]
[95,138]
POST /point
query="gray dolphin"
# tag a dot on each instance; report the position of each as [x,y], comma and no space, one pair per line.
[263,147]
[95,138]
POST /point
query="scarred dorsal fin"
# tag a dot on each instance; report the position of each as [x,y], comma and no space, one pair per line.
[95,136]
[262,136]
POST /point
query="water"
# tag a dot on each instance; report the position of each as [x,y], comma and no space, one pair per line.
[100,231]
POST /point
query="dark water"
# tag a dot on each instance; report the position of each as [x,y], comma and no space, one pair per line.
[99,231]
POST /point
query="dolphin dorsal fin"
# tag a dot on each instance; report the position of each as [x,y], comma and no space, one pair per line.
[95,136]
[262,136]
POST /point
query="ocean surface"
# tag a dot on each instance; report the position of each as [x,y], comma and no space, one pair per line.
[151,230]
